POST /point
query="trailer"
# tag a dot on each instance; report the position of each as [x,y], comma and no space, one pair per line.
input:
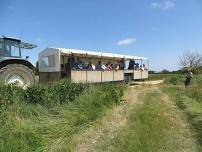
[90,66]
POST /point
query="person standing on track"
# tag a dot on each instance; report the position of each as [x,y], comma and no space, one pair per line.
[189,76]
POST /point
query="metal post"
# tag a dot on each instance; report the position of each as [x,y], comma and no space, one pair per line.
[70,66]
[20,49]
[87,70]
[133,68]
[141,69]
[63,58]
[101,66]
[123,69]
[113,67]
[148,68]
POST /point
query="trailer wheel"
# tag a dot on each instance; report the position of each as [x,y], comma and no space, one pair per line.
[127,79]
[19,74]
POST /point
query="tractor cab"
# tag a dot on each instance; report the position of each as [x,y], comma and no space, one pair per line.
[11,47]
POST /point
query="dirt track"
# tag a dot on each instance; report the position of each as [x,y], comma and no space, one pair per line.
[148,82]
[105,130]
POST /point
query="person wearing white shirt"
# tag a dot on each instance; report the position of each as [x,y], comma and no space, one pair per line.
[103,66]
[93,66]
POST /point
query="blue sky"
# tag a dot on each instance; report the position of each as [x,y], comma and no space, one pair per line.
[158,29]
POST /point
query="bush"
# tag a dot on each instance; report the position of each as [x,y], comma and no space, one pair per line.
[115,91]
[195,93]
[49,95]
[56,93]
[39,117]
[175,80]
[10,94]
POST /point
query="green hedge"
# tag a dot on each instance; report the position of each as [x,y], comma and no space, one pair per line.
[49,95]
[34,119]
[55,93]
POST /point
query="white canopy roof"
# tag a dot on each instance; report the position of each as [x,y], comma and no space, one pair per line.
[49,58]
[94,53]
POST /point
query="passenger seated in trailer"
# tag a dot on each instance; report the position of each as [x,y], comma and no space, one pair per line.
[121,64]
[86,65]
[137,67]
[80,64]
[117,66]
[103,67]
[91,66]
[98,66]
[144,67]
[109,66]
[131,65]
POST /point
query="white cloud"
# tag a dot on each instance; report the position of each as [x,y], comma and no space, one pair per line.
[156,5]
[126,41]
[166,5]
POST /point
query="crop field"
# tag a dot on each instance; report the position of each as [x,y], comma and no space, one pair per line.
[44,118]
[65,116]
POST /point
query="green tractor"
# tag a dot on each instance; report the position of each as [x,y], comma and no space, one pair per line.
[14,69]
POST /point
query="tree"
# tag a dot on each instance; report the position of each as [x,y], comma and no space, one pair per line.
[192,60]
[165,71]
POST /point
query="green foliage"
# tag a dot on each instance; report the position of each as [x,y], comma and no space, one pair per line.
[194,92]
[160,76]
[152,125]
[190,101]
[157,76]
[46,117]
[115,92]
[195,70]
[56,93]
[175,79]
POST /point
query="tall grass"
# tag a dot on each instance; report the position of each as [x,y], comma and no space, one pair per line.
[160,76]
[190,101]
[45,117]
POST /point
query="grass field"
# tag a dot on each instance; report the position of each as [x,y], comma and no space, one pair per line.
[189,100]
[110,117]
[153,121]
[154,125]
[44,118]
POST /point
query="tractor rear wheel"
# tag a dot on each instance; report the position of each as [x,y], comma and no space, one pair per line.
[18,74]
